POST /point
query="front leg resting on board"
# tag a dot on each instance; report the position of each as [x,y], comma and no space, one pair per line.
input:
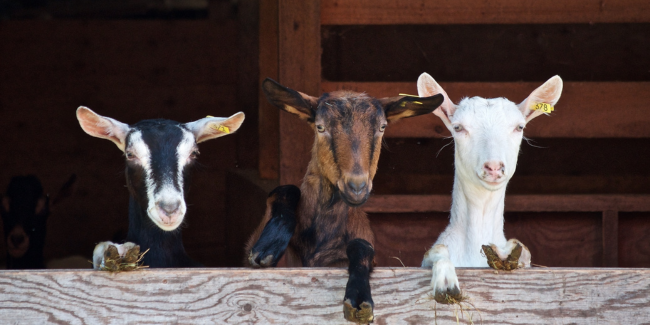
[279,229]
[443,280]
[358,304]
[513,256]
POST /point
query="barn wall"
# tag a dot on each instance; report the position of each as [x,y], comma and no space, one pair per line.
[129,70]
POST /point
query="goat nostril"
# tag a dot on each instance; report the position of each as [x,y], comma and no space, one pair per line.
[169,208]
[357,188]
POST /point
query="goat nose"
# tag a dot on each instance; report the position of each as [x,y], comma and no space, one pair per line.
[169,207]
[357,186]
[17,239]
[494,168]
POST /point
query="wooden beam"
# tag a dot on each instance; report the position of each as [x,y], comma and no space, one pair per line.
[514,203]
[299,69]
[314,296]
[610,238]
[584,110]
[269,115]
[412,12]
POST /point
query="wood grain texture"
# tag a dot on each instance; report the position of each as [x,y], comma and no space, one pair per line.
[514,203]
[391,12]
[559,239]
[634,242]
[299,69]
[269,115]
[580,112]
[610,238]
[313,296]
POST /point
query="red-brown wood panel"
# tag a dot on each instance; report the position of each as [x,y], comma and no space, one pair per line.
[390,12]
[269,115]
[634,239]
[299,69]
[585,110]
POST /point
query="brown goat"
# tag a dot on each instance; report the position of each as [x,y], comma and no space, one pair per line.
[322,222]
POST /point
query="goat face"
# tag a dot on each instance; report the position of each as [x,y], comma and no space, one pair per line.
[348,127]
[158,156]
[24,213]
[488,132]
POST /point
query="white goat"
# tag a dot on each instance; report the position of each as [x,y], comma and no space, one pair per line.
[487,135]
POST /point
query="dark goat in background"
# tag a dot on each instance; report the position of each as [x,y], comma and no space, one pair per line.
[25,209]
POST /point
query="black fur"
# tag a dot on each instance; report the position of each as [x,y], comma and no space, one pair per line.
[165,247]
[280,228]
[360,254]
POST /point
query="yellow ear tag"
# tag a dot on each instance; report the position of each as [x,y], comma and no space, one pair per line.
[221,128]
[545,108]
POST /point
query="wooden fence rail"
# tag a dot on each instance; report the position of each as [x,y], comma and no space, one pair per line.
[313,296]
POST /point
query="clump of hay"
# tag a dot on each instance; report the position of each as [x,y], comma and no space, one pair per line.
[131,260]
[461,303]
[509,264]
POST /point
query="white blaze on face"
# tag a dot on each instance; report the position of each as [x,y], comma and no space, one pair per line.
[165,201]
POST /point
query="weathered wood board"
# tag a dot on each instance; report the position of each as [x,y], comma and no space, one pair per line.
[389,12]
[313,296]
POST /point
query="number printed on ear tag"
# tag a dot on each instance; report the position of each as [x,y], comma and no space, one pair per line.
[222,128]
[545,108]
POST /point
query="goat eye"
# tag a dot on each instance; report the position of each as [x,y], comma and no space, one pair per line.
[130,155]
[520,128]
[194,154]
[382,127]
[458,128]
[320,128]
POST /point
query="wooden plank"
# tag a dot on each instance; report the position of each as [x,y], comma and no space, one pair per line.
[269,115]
[582,112]
[412,12]
[314,295]
[610,238]
[299,69]
[514,203]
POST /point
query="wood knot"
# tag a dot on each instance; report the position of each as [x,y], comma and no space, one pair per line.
[248,307]
[439,129]
[164,281]
[314,280]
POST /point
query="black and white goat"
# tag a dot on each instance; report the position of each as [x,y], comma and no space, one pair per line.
[159,154]
[25,209]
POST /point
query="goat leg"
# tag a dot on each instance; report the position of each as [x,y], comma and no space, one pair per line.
[275,237]
[357,303]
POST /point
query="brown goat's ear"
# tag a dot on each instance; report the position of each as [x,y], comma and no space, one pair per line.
[407,106]
[290,100]
[103,127]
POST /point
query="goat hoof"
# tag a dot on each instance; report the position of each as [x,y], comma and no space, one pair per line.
[361,315]
[511,262]
[256,261]
[449,296]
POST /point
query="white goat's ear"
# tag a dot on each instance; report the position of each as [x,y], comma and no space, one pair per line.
[103,127]
[548,93]
[427,86]
[214,127]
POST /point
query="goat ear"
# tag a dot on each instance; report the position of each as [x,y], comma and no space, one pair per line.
[427,86]
[214,127]
[103,127]
[290,100]
[65,191]
[548,93]
[407,106]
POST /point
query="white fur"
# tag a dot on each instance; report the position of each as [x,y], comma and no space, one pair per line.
[486,132]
